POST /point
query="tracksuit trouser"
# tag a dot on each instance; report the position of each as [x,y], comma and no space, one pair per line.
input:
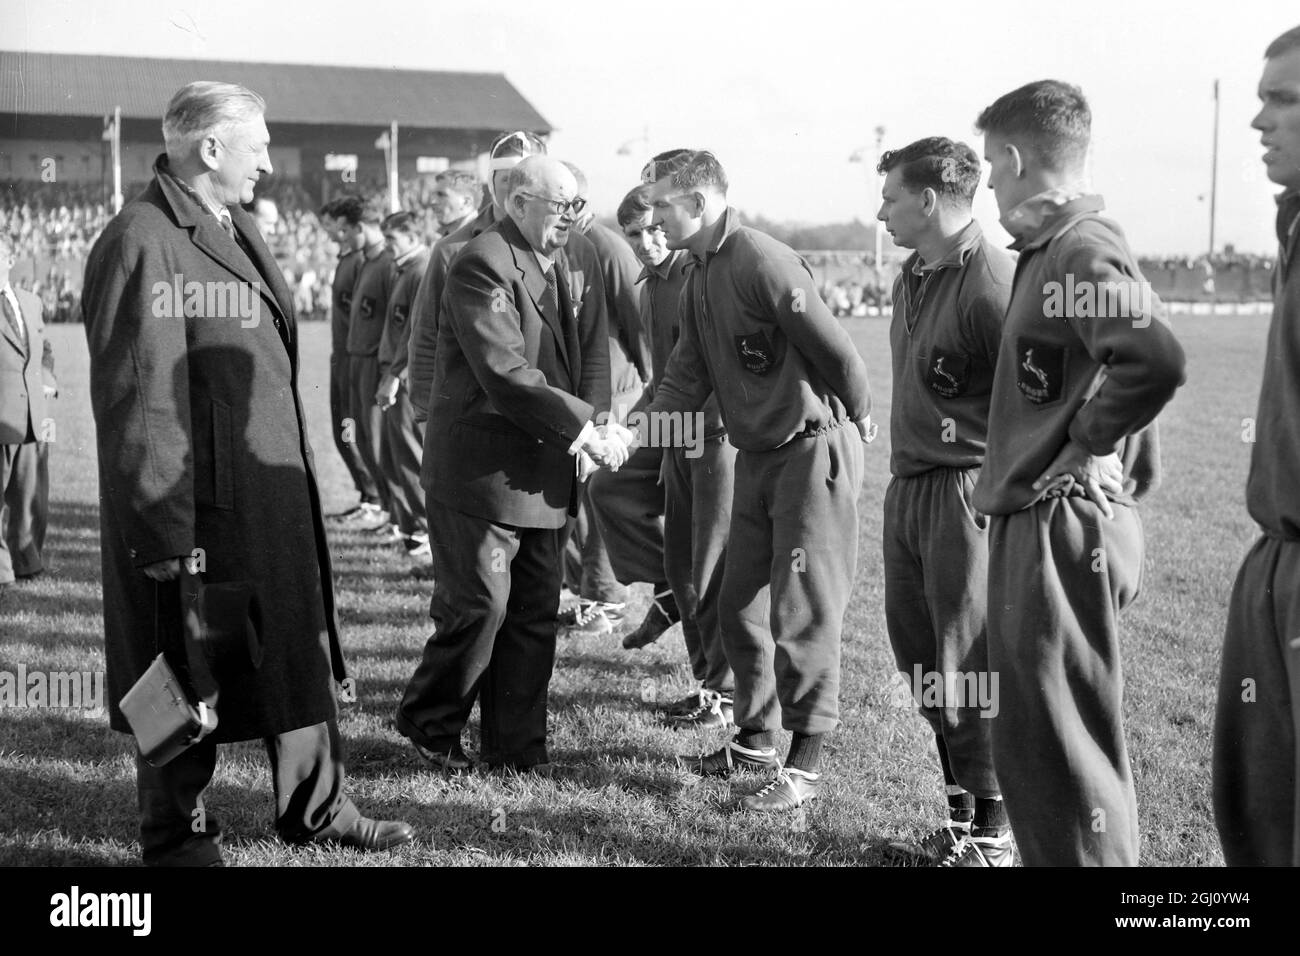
[401,451]
[346,445]
[936,591]
[791,557]
[1257,719]
[1060,573]
[363,380]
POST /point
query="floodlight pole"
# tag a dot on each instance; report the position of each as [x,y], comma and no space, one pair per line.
[394,197]
[117,160]
[1214,169]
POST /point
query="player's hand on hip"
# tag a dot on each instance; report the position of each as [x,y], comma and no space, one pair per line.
[168,569]
[1099,476]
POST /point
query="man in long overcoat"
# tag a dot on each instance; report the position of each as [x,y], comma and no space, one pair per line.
[204,458]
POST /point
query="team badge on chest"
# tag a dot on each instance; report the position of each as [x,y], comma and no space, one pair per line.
[948,375]
[367,307]
[346,299]
[399,313]
[755,353]
[1040,371]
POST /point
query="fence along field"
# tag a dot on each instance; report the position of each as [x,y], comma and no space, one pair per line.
[67,791]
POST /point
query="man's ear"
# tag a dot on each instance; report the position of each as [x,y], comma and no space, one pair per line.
[208,152]
[1015,159]
[698,202]
[929,201]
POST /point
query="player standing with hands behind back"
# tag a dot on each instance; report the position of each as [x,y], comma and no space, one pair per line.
[1069,455]
[794,398]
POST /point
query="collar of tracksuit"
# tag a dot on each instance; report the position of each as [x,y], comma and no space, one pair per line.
[663,270]
[1039,218]
[373,250]
[723,230]
[957,252]
[401,261]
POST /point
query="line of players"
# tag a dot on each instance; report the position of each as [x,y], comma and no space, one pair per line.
[1021,445]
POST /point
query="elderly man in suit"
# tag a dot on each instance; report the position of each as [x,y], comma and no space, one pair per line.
[522,371]
[26,383]
[203,455]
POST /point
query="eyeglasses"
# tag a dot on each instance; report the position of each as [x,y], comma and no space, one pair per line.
[559,206]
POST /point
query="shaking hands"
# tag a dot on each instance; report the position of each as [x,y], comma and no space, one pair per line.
[608,447]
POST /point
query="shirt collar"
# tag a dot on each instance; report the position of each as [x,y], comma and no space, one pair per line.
[1040,217]
[723,230]
[543,260]
[221,212]
[956,252]
[373,251]
[408,256]
[664,269]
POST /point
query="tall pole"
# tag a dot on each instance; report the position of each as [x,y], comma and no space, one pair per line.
[1214,168]
[394,199]
[117,160]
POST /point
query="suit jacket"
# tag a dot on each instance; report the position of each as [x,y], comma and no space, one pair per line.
[22,375]
[203,444]
[512,389]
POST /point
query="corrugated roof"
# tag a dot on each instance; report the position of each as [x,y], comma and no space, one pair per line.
[66,84]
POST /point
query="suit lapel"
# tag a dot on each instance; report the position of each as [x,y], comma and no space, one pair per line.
[206,233]
[9,334]
[535,282]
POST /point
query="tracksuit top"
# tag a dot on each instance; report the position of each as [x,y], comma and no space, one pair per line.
[346,271]
[1271,490]
[944,339]
[1076,362]
[370,301]
[397,317]
[661,310]
[757,334]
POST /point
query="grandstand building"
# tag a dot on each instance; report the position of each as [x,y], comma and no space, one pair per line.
[324,120]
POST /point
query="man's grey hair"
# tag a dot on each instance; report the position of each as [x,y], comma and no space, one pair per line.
[205,107]
[521,177]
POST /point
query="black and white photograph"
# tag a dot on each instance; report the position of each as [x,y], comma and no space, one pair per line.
[690,436]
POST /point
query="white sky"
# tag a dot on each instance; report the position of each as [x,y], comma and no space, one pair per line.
[784,90]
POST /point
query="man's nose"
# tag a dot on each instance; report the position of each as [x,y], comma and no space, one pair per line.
[1259,122]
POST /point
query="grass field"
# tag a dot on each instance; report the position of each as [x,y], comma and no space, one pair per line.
[67,792]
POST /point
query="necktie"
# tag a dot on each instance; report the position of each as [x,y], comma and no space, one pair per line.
[15,321]
[551,297]
[228,224]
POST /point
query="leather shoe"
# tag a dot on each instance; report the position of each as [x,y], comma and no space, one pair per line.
[453,761]
[371,835]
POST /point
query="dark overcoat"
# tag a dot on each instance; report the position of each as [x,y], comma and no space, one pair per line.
[203,445]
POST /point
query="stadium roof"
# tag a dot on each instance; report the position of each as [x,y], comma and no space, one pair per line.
[66,84]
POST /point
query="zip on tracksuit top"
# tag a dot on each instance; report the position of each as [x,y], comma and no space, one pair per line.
[756,333]
[1087,355]
[1275,459]
[944,337]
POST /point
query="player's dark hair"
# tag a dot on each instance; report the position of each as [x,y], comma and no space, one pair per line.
[1284,44]
[348,208]
[634,205]
[401,221]
[689,169]
[950,168]
[1050,117]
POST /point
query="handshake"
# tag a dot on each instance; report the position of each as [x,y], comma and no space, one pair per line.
[609,447]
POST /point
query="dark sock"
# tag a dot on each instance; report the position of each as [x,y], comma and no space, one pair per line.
[990,814]
[961,803]
[667,603]
[756,739]
[805,752]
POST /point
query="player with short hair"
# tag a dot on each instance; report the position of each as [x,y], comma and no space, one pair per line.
[342,220]
[403,439]
[1256,803]
[365,328]
[793,393]
[1071,451]
[456,198]
[946,330]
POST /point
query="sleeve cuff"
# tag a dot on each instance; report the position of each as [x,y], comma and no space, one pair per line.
[587,431]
